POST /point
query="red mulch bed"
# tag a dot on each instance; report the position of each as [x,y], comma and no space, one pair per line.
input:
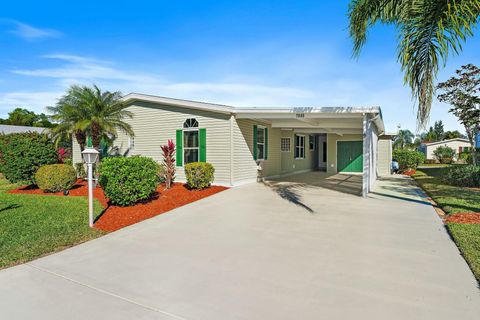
[464,218]
[114,217]
[409,172]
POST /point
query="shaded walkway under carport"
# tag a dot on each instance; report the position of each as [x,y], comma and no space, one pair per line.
[344,183]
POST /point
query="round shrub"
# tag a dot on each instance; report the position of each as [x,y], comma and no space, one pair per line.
[126,181]
[408,159]
[444,154]
[462,176]
[199,174]
[21,154]
[55,177]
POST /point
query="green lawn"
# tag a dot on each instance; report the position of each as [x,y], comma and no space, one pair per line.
[456,199]
[32,225]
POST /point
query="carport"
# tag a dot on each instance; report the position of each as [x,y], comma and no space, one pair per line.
[344,140]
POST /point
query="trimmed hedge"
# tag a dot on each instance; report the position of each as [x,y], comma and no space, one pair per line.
[462,176]
[55,177]
[21,154]
[126,181]
[199,174]
[408,159]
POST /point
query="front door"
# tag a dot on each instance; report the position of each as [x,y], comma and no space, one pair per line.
[349,156]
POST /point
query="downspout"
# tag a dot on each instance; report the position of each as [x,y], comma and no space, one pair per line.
[365,175]
[231,149]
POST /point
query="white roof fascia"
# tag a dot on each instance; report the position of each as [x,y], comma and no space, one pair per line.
[262,113]
[179,103]
[446,141]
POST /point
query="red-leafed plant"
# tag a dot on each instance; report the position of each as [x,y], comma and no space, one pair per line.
[63,154]
[168,152]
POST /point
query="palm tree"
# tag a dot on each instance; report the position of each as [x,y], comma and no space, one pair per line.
[428,30]
[88,112]
[403,139]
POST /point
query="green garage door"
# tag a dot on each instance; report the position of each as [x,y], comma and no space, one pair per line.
[350,156]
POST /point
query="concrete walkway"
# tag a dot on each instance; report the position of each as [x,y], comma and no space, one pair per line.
[286,251]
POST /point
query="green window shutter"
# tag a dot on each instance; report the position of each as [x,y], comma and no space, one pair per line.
[202,133]
[266,144]
[255,156]
[179,148]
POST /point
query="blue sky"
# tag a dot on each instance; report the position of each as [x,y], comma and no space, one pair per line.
[243,53]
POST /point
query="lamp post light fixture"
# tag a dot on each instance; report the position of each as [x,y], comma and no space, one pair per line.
[90,156]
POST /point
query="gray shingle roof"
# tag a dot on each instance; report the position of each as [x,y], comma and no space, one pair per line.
[6,129]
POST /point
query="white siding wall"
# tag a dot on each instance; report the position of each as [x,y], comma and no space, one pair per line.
[384,156]
[155,124]
[245,167]
[455,145]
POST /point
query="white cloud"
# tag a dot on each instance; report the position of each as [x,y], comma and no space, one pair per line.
[35,101]
[29,32]
[333,84]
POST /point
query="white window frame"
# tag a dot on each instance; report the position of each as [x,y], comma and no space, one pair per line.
[300,147]
[286,144]
[262,143]
[185,148]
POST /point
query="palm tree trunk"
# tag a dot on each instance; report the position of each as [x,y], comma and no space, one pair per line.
[81,139]
[96,135]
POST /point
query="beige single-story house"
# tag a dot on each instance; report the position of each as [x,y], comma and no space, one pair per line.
[243,143]
[460,145]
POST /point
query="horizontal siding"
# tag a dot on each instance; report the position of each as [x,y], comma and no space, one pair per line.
[384,157]
[245,167]
[155,124]
[291,165]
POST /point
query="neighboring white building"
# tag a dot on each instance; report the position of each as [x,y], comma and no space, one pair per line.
[460,145]
[6,129]
[238,141]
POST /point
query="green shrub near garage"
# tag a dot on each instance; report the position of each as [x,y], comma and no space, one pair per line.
[127,180]
[199,175]
[21,154]
[55,177]
[408,159]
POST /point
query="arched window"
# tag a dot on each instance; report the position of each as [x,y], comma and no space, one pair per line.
[190,141]
[190,123]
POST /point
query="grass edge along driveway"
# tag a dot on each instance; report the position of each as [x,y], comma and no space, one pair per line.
[453,200]
[32,226]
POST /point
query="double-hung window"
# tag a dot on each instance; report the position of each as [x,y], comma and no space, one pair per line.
[311,142]
[299,146]
[191,143]
[260,143]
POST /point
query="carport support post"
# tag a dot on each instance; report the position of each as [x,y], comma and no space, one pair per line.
[366,158]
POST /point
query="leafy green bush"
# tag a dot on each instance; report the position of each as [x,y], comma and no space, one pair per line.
[408,159]
[199,174]
[462,176]
[126,181]
[55,177]
[444,154]
[80,169]
[21,154]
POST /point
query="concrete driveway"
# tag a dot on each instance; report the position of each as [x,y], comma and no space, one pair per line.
[286,251]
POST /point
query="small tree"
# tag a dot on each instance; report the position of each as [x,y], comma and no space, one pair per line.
[168,152]
[444,154]
[403,139]
[461,93]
